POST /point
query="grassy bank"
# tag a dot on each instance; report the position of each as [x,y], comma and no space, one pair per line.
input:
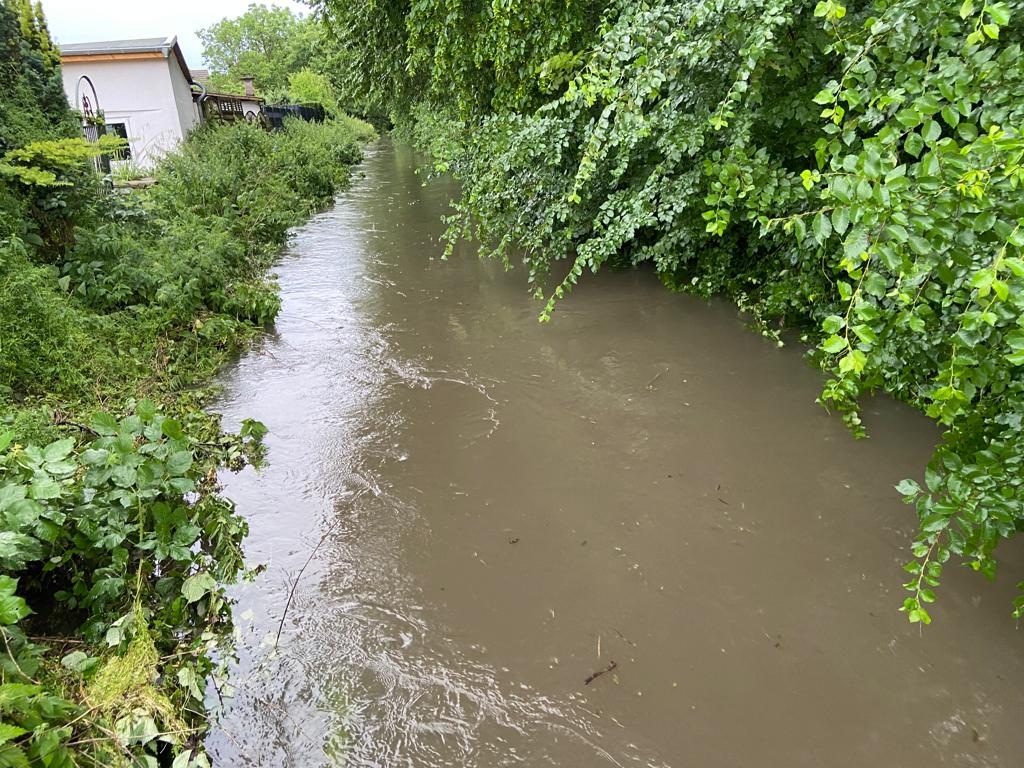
[115,310]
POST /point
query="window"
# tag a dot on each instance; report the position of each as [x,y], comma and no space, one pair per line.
[120,129]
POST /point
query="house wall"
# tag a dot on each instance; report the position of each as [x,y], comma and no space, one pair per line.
[144,95]
[185,105]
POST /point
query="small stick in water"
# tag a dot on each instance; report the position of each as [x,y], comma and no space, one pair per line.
[597,674]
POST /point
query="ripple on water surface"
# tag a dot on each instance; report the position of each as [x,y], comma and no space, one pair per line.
[497,510]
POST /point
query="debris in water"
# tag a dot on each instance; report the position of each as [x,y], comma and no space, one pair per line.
[600,672]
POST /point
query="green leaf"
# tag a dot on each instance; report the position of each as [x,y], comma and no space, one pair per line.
[908,488]
[999,13]
[195,587]
[833,324]
[58,450]
[824,96]
[10,494]
[145,409]
[79,661]
[13,609]
[834,344]
[172,429]
[6,438]
[13,756]
[46,488]
[875,284]
[104,424]
[841,220]
[179,463]
[966,9]
[94,457]
[8,732]
[919,615]
[865,334]
[17,550]
[821,227]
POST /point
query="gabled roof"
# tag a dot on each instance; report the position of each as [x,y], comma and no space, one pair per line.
[127,49]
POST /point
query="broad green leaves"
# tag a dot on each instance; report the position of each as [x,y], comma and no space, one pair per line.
[123,529]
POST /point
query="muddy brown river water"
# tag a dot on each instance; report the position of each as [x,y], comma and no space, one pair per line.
[504,509]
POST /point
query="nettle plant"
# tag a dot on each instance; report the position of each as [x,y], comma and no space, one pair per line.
[127,537]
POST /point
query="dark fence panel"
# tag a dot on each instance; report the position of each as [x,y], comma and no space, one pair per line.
[276,113]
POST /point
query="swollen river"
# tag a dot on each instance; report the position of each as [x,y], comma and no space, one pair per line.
[642,490]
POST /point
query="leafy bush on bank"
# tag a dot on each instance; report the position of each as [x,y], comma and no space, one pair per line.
[114,541]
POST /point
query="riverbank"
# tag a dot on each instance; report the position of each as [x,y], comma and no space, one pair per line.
[114,538]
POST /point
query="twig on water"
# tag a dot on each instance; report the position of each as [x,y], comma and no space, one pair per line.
[298,576]
[650,383]
[600,672]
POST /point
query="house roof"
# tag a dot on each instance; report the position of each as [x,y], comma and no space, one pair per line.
[200,75]
[113,50]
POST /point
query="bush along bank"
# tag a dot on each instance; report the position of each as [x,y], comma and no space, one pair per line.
[115,543]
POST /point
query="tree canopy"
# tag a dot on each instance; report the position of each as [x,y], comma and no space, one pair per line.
[267,43]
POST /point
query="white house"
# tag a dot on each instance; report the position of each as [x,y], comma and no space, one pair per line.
[143,87]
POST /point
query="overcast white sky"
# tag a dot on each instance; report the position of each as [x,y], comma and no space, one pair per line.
[84,21]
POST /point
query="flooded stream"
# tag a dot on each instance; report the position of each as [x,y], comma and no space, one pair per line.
[498,509]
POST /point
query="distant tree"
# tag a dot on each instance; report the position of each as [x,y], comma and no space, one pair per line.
[267,43]
[309,87]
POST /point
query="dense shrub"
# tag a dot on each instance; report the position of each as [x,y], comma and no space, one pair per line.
[41,334]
